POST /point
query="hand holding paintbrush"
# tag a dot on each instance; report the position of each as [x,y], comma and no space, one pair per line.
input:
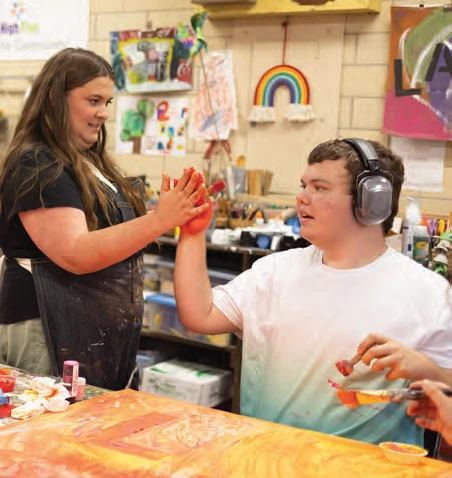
[355,398]
[400,361]
[435,413]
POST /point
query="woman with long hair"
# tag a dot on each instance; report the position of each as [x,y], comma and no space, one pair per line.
[73,229]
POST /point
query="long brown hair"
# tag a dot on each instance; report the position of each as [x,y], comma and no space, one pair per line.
[45,125]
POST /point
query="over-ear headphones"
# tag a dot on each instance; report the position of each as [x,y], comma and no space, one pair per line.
[372,199]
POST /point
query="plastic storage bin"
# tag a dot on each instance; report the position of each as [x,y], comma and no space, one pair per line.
[160,314]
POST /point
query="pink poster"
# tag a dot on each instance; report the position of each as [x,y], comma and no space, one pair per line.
[418,88]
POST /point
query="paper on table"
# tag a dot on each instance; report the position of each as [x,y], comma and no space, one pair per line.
[423,160]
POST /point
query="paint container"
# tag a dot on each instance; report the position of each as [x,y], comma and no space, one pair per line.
[7,382]
[70,378]
[81,382]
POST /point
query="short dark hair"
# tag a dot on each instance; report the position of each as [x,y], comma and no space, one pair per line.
[390,162]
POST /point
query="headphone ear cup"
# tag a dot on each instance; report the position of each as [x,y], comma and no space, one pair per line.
[373,200]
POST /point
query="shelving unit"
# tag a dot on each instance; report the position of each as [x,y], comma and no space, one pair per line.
[227,261]
[247,254]
[265,8]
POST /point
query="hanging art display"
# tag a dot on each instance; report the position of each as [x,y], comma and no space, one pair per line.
[151,126]
[214,112]
[264,99]
[290,77]
[150,61]
[193,38]
[418,86]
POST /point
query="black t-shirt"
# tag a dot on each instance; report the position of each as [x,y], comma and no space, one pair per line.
[63,192]
[18,300]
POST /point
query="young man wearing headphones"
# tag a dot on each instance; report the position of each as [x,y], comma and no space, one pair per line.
[302,310]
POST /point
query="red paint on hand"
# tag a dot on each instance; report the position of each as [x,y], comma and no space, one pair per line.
[201,222]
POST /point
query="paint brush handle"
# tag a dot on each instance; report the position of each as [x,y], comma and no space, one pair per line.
[355,359]
[412,394]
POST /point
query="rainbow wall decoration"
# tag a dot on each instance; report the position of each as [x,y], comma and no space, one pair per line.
[264,99]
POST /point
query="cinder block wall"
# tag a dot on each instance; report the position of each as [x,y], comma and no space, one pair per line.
[353,107]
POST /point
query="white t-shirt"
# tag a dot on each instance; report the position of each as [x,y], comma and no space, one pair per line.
[299,317]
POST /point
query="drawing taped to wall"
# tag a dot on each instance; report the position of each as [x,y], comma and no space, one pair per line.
[149,61]
[214,111]
[418,87]
[152,126]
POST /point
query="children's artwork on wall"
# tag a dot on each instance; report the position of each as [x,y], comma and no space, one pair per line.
[149,61]
[193,38]
[214,112]
[418,87]
[264,99]
[153,126]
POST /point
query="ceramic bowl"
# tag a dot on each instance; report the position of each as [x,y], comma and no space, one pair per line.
[403,453]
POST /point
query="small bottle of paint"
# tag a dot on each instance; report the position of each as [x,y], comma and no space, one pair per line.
[81,382]
[70,378]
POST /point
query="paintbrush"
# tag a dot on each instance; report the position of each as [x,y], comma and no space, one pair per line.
[345,367]
[215,188]
[354,398]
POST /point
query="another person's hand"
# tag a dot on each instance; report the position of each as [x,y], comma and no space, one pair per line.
[200,223]
[434,413]
[402,361]
[176,206]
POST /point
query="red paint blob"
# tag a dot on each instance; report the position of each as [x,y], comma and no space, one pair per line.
[344,367]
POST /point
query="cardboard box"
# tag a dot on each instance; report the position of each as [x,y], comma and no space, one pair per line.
[189,382]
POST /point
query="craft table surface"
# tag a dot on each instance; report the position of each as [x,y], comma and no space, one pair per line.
[135,434]
[23,383]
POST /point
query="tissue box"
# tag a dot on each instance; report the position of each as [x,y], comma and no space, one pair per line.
[189,382]
[147,358]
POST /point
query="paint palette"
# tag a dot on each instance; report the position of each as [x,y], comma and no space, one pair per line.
[403,453]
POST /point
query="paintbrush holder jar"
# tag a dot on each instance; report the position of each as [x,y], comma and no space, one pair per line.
[234,223]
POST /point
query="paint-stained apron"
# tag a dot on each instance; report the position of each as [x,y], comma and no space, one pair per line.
[94,318]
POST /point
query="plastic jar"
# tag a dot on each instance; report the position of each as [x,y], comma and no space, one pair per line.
[411,219]
[421,245]
[81,382]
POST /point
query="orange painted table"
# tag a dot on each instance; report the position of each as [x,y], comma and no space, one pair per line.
[134,434]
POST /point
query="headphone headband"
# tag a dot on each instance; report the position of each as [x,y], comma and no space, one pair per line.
[366,153]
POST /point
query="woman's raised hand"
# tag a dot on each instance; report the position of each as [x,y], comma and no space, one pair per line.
[177,206]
